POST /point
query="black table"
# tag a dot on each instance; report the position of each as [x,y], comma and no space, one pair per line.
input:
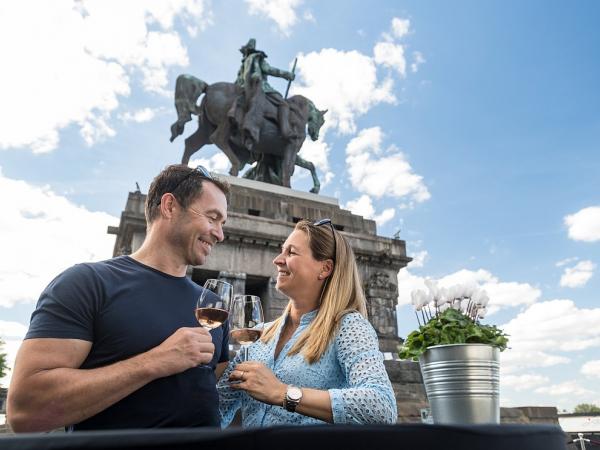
[331,437]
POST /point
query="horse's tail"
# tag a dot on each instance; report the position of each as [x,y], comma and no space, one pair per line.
[187,91]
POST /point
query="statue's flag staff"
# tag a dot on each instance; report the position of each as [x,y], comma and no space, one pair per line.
[287,90]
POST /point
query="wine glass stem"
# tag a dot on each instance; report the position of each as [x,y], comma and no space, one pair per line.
[244,353]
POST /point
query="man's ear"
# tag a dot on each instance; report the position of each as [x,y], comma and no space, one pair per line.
[167,205]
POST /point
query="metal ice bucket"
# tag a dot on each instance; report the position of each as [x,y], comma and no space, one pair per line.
[462,382]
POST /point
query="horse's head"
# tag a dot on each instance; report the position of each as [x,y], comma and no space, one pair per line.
[316,119]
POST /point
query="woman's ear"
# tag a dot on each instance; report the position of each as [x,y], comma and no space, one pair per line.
[326,269]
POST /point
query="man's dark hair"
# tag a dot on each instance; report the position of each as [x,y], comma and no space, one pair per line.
[185,183]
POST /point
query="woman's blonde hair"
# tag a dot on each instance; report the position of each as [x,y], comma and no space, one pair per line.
[342,292]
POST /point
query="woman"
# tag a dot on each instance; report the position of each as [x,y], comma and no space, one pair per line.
[320,360]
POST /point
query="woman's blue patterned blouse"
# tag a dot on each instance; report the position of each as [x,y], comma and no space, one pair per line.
[351,370]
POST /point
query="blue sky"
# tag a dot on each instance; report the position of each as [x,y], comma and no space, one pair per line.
[472,127]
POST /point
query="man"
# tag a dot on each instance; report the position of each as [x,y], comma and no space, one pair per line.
[115,344]
[255,70]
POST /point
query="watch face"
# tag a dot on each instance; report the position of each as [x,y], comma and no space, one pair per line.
[294,393]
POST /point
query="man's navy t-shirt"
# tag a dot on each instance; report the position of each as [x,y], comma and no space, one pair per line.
[125,308]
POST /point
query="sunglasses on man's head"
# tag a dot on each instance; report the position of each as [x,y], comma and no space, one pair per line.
[203,171]
[325,222]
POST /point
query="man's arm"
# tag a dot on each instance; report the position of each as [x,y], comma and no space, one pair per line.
[48,390]
[273,71]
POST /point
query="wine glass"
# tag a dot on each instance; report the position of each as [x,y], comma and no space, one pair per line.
[212,308]
[246,321]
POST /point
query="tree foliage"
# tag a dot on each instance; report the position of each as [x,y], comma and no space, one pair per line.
[3,361]
[587,408]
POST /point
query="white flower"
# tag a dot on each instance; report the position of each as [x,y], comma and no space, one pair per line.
[476,297]
[469,289]
[481,312]
[441,299]
[484,299]
[414,298]
[464,304]
[419,299]
[432,286]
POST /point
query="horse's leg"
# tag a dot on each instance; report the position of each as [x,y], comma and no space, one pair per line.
[220,138]
[288,161]
[309,166]
[194,142]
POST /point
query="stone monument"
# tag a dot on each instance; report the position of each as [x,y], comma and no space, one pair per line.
[260,217]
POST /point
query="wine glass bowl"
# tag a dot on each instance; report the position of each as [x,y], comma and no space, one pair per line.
[246,320]
[212,307]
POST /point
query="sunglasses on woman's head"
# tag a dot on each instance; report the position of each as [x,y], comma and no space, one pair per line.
[325,222]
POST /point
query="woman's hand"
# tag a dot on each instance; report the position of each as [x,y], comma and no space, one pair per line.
[259,382]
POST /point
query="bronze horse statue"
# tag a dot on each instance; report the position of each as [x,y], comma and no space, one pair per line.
[258,140]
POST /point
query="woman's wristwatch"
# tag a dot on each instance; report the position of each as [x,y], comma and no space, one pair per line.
[292,398]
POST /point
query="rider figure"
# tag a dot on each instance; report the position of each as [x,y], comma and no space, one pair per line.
[255,67]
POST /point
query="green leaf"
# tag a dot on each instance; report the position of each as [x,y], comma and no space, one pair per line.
[451,327]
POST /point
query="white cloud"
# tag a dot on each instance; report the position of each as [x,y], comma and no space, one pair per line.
[316,152]
[523,382]
[563,389]
[418,259]
[578,275]
[218,163]
[400,27]
[502,294]
[139,116]
[407,282]
[418,59]
[41,234]
[564,262]
[282,12]
[544,331]
[96,129]
[76,59]
[584,225]
[323,77]
[390,55]
[513,360]
[363,206]
[591,369]
[12,329]
[309,17]
[379,173]
[12,333]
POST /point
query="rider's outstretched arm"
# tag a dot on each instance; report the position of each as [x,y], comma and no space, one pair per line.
[275,72]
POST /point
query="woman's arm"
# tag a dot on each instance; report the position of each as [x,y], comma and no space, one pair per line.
[369,397]
[262,384]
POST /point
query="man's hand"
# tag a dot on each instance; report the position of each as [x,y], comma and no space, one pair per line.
[184,349]
[291,76]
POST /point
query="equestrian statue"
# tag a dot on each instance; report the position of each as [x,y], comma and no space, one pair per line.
[249,120]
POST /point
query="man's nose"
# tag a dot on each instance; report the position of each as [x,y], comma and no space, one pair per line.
[218,233]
